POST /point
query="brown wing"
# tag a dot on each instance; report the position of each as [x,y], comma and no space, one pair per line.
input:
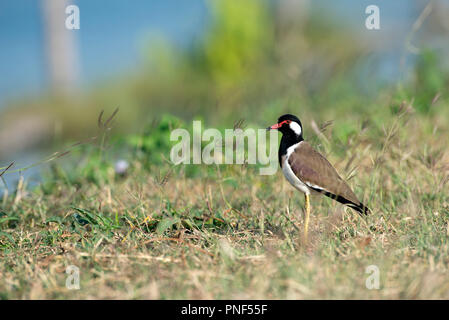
[317,173]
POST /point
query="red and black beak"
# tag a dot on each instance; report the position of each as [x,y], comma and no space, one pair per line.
[277,125]
[274,126]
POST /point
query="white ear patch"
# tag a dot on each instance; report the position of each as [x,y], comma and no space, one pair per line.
[296,128]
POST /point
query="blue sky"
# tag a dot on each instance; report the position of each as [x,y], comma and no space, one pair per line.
[108,42]
[112,32]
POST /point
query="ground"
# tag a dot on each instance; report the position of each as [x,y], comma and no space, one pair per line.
[229,233]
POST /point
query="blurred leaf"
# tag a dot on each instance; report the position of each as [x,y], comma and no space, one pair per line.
[85,217]
[7,235]
[54,219]
[166,224]
[80,219]
[8,219]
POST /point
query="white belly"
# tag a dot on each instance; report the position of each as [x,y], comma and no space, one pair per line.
[293,179]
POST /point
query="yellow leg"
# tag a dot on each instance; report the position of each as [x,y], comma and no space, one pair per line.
[306,220]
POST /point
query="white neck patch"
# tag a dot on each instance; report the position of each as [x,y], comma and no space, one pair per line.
[296,128]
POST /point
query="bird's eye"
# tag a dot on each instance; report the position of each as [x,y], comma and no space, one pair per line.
[289,121]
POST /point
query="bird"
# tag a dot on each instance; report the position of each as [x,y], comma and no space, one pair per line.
[309,171]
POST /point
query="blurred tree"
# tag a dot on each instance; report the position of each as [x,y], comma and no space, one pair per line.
[61,47]
[238,40]
[429,80]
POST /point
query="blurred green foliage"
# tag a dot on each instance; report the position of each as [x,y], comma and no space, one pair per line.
[254,63]
[237,43]
[430,80]
[251,65]
[429,83]
[154,141]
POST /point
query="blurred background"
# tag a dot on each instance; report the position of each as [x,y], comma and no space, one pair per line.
[218,60]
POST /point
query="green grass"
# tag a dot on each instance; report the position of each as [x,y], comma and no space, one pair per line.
[229,233]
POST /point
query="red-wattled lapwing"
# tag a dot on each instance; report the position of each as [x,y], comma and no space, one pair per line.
[308,171]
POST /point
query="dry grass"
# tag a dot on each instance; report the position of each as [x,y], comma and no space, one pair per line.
[236,234]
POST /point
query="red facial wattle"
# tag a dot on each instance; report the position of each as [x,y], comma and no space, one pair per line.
[280,124]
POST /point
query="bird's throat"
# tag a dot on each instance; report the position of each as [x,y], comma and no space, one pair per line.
[286,142]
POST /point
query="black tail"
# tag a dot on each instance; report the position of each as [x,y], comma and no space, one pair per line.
[360,208]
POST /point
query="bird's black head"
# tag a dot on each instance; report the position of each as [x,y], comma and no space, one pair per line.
[290,126]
